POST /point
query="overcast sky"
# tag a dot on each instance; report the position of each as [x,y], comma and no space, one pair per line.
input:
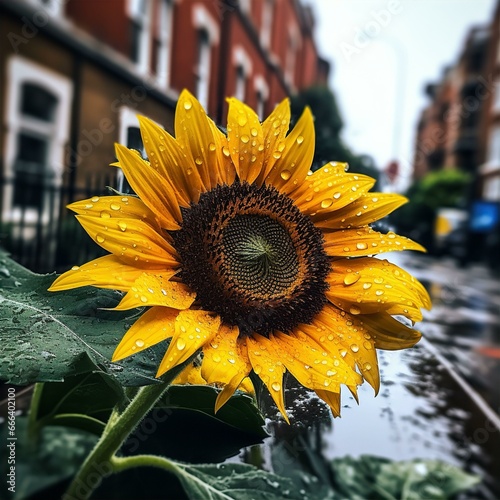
[383,52]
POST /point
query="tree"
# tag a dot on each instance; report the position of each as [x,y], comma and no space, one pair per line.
[328,124]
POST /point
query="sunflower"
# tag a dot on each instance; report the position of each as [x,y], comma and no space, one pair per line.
[237,249]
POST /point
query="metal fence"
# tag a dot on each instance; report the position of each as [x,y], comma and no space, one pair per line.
[37,229]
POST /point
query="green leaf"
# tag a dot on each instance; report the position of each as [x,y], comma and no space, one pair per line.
[239,412]
[380,478]
[57,456]
[235,481]
[48,336]
[82,401]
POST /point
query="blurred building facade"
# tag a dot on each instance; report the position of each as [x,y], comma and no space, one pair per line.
[75,73]
[460,129]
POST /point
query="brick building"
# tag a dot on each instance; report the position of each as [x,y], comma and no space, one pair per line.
[449,133]
[460,129]
[75,73]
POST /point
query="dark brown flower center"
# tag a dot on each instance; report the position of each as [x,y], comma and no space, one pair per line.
[252,257]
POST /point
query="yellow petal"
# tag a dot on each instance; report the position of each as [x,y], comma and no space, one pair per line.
[195,135]
[190,375]
[368,285]
[225,361]
[193,329]
[339,332]
[153,189]
[167,157]
[156,290]
[227,172]
[138,245]
[293,156]
[105,272]
[388,333]
[366,209]
[115,207]
[267,364]
[245,140]
[275,128]
[312,365]
[332,399]
[153,326]
[330,188]
[364,241]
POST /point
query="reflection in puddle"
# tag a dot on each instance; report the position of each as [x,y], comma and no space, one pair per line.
[420,413]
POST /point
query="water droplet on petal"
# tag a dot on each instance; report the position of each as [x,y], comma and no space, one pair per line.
[181,344]
[198,161]
[114,206]
[226,151]
[75,268]
[144,298]
[327,203]
[351,278]
[361,246]
[245,139]
[100,238]
[139,343]
[300,139]
[354,347]
[367,285]
[95,199]
[286,174]
[242,120]
[354,310]
[122,225]
[188,105]
[276,386]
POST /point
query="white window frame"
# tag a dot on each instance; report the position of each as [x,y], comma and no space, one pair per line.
[19,72]
[52,7]
[267,23]
[165,23]
[261,89]
[494,146]
[127,119]
[144,19]
[291,54]
[243,67]
[203,21]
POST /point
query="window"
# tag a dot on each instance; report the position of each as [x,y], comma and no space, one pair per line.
[494,149]
[496,101]
[267,23]
[290,60]
[37,117]
[130,135]
[241,83]
[31,171]
[243,68]
[52,7]
[262,92]
[163,42]
[36,130]
[140,25]
[203,68]
[208,36]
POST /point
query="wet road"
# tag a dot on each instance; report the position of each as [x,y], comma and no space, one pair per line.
[440,399]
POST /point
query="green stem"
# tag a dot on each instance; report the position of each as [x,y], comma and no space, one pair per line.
[122,463]
[99,463]
[33,428]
